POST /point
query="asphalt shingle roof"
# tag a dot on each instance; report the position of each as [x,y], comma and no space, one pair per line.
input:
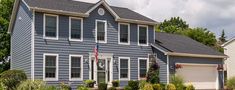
[83,7]
[182,44]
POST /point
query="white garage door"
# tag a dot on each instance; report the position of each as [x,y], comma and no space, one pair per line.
[201,76]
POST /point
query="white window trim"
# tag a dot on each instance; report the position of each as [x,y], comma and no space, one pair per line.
[57,27]
[105,41]
[71,39]
[139,67]
[119,59]
[119,42]
[81,62]
[146,33]
[44,69]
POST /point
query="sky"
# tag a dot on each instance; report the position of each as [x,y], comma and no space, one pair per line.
[215,15]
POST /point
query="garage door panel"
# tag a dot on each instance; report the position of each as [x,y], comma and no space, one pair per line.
[201,76]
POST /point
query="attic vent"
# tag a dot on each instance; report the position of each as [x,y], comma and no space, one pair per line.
[101,11]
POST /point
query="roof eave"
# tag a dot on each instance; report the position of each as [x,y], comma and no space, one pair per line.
[136,21]
[13,15]
[226,43]
[196,55]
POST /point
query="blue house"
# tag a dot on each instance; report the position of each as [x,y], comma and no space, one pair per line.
[59,41]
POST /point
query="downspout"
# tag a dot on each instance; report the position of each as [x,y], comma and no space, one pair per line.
[168,70]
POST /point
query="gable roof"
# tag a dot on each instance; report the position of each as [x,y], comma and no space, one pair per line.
[82,9]
[177,44]
[228,42]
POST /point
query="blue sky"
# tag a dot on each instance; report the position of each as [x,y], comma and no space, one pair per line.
[215,15]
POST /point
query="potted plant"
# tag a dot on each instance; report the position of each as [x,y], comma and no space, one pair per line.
[115,83]
[89,83]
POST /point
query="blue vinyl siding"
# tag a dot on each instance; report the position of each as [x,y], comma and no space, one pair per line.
[21,41]
[64,47]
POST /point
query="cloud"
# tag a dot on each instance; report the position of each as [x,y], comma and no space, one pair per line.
[215,15]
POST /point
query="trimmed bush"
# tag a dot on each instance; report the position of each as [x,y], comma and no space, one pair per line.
[116,83]
[163,86]
[231,83]
[178,82]
[64,86]
[142,83]
[133,84]
[148,87]
[153,73]
[171,87]
[112,88]
[31,85]
[157,87]
[102,86]
[127,88]
[81,87]
[89,83]
[12,78]
[190,87]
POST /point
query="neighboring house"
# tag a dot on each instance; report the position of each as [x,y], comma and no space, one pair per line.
[55,40]
[198,64]
[229,49]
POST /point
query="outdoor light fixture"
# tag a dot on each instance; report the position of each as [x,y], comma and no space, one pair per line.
[86,60]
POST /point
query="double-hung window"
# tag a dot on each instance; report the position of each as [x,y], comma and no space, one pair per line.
[124,68]
[50,27]
[124,33]
[142,35]
[75,67]
[50,67]
[101,31]
[143,67]
[75,29]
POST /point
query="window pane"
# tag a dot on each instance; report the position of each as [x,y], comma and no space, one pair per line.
[142,73]
[75,67]
[124,63]
[75,72]
[75,61]
[142,35]
[101,31]
[50,26]
[50,72]
[123,68]
[124,33]
[51,61]
[124,73]
[143,68]
[75,28]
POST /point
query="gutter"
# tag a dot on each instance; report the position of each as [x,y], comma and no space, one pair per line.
[194,55]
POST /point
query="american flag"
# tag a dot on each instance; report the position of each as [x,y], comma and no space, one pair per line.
[96,51]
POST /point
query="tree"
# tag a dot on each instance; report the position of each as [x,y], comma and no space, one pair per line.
[153,72]
[222,38]
[6,7]
[173,25]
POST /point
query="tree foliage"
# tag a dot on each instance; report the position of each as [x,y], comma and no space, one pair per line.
[222,38]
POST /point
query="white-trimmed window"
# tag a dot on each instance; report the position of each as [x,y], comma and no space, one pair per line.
[124,33]
[50,26]
[101,31]
[50,67]
[75,67]
[124,68]
[142,68]
[75,29]
[142,35]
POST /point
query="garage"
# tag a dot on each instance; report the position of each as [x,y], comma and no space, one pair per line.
[201,76]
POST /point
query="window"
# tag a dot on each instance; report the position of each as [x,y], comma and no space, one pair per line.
[50,26]
[124,68]
[124,33]
[75,67]
[50,67]
[101,31]
[143,67]
[142,35]
[75,29]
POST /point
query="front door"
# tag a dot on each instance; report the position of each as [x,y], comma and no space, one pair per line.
[101,71]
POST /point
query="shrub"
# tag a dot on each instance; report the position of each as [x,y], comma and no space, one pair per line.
[89,83]
[31,85]
[231,83]
[141,84]
[178,82]
[64,86]
[153,73]
[148,87]
[49,88]
[102,86]
[127,88]
[163,86]
[133,84]
[171,87]
[157,87]
[2,87]
[190,87]
[81,87]
[112,88]
[116,83]
[12,78]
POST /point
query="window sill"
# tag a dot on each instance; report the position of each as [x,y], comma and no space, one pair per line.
[124,43]
[50,38]
[124,79]
[75,79]
[76,40]
[50,79]
[143,45]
